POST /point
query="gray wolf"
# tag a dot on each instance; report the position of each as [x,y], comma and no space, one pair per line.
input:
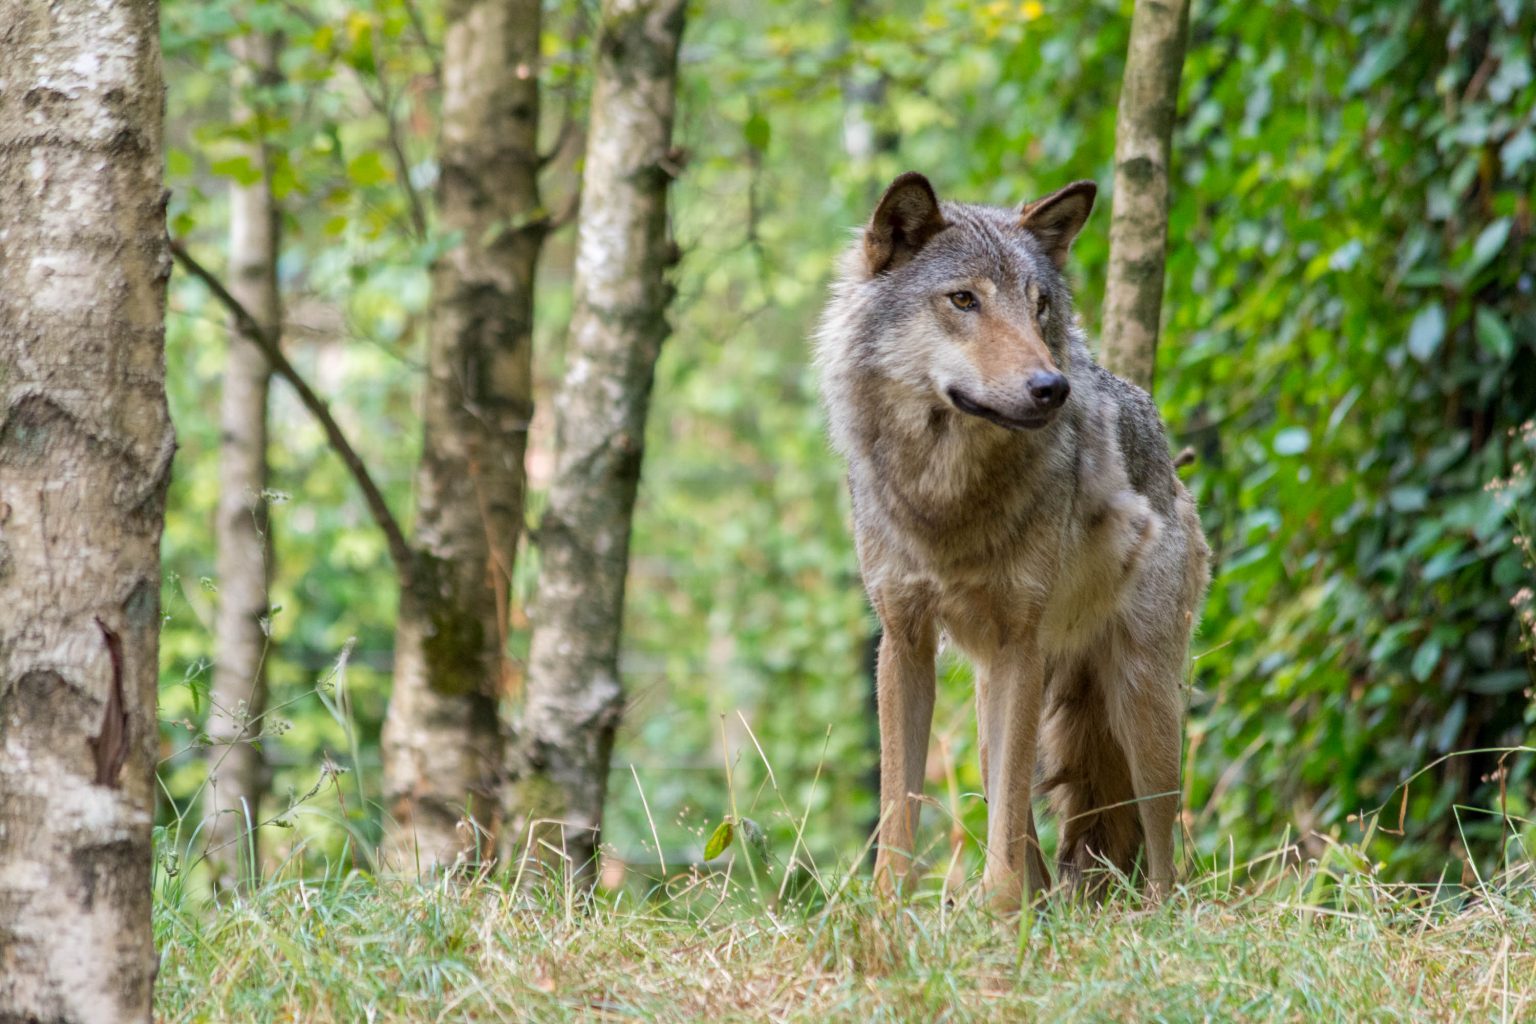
[1013,495]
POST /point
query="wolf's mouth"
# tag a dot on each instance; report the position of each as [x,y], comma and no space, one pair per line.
[971,408]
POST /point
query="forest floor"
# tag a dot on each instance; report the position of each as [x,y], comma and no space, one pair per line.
[1327,943]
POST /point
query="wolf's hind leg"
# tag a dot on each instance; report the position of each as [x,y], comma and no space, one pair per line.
[1090,784]
[1146,715]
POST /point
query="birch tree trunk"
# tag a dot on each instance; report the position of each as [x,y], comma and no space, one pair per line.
[236,770]
[574,695]
[85,455]
[1138,229]
[443,746]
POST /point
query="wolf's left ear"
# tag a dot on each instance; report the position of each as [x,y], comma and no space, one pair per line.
[1057,218]
[906,217]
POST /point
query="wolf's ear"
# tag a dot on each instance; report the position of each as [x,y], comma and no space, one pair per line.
[1057,218]
[906,217]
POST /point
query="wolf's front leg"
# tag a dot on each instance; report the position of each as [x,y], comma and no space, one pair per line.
[905,687]
[1011,724]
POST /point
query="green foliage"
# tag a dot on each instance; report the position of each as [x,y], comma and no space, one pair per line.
[1350,338]
[1353,273]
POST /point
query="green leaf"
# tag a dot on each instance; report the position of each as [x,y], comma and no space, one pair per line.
[1490,242]
[178,163]
[755,837]
[1378,60]
[1506,681]
[1427,332]
[241,168]
[1493,334]
[1518,151]
[1292,441]
[1346,256]
[757,132]
[720,840]
[368,168]
[1425,660]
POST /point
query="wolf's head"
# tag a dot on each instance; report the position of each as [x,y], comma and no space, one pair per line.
[967,304]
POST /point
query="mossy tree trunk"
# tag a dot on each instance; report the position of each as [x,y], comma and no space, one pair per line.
[442,742]
[237,777]
[85,455]
[623,252]
[1138,229]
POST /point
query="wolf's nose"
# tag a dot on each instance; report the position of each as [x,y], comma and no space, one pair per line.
[1049,389]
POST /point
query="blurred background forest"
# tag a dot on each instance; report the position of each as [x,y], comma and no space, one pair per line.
[1349,345]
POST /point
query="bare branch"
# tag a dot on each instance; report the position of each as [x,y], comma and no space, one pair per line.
[267,341]
[579,23]
[384,104]
[427,46]
[567,213]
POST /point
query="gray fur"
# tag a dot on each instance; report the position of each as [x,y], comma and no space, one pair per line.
[1065,557]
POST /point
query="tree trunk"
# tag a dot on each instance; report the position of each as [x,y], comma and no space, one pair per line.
[574,695]
[1138,229]
[236,769]
[85,455]
[442,741]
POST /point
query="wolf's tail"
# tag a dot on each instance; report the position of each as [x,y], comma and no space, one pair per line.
[1090,785]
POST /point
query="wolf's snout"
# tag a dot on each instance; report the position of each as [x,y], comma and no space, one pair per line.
[1049,390]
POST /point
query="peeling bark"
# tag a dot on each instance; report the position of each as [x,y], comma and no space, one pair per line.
[85,455]
[442,741]
[237,776]
[1138,230]
[574,693]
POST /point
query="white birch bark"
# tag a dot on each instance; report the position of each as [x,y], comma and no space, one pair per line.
[574,694]
[85,454]
[236,770]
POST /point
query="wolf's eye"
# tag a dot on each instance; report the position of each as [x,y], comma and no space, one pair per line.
[963,300]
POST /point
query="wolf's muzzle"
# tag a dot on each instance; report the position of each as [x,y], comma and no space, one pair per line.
[1032,420]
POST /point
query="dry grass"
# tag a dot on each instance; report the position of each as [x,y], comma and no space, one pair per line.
[1324,941]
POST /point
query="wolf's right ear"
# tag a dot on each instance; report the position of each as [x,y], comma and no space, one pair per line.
[906,217]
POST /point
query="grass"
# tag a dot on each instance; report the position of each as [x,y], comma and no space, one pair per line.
[1322,942]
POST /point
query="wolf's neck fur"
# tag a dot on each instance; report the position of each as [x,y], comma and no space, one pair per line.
[958,487]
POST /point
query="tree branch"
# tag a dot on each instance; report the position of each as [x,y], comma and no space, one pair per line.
[567,213]
[568,122]
[399,548]
[385,104]
[432,51]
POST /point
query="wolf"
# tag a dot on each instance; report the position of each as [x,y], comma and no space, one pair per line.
[1014,496]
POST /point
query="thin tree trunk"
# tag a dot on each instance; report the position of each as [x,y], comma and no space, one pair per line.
[443,746]
[236,770]
[1138,229]
[85,455]
[574,695]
